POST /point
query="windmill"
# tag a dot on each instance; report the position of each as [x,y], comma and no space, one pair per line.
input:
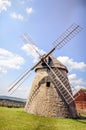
[51,93]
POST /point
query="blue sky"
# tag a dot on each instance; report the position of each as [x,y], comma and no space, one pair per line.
[44,21]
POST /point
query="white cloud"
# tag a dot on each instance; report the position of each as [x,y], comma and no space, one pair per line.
[72,76]
[9,60]
[22,1]
[17,16]
[25,1]
[23,91]
[4,4]
[71,64]
[73,79]
[77,83]
[29,10]
[31,50]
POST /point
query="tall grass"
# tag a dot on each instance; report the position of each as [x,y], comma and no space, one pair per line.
[17,119]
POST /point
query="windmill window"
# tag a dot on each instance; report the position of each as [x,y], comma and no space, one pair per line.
[48,84]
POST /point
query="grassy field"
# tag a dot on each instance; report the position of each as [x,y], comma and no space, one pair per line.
[17,119]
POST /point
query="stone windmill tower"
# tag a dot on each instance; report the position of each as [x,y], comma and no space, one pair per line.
[45,98]
[51,93]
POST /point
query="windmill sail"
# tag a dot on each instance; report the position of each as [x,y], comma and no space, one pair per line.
[61,83]
[22,77]
[68,35]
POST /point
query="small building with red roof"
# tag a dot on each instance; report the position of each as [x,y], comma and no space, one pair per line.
[80,99]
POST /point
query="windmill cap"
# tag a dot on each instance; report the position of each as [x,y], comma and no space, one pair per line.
[55,64]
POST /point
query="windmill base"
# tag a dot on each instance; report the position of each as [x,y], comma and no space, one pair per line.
[50,104]
[54,114]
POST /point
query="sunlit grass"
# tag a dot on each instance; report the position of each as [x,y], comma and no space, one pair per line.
[17,119]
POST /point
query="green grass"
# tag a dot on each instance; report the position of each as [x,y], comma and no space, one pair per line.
[17,119]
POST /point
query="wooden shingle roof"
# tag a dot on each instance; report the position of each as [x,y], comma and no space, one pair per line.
[54,64]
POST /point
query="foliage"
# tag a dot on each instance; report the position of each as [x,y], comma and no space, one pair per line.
[17,119]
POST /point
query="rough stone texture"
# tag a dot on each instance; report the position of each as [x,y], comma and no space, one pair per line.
[46,100]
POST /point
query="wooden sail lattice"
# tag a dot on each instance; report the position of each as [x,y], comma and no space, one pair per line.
[57,75]
[62,84]
[67,36]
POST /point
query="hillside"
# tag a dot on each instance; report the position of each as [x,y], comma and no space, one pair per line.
[19,120]
[12,101]
[12,98]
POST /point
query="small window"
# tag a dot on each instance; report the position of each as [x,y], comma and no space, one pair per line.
[48,84]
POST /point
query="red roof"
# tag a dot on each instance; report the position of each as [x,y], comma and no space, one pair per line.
[80,95]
